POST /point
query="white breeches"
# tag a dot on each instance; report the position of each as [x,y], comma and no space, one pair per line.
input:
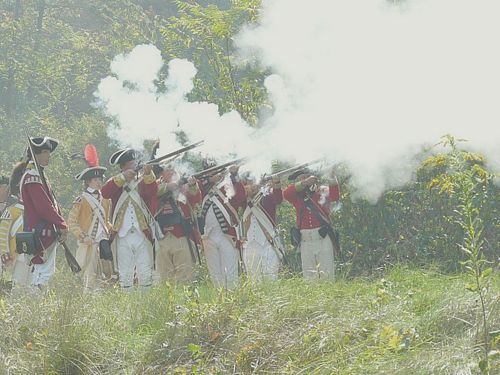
[134,251]
[43,272]
[261,261]
[317,255]
[222,259]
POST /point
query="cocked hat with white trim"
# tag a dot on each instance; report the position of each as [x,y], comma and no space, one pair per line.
[123,156]
[43,143]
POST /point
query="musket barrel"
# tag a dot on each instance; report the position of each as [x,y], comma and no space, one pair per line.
[217,168]
[174,153]
[291,170]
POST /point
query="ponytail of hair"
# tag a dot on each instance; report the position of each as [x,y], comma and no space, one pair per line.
[15,177]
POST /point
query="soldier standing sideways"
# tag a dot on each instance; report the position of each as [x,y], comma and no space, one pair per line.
[41,214]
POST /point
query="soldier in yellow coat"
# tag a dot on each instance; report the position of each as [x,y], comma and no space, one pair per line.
[89,222]
[11,222]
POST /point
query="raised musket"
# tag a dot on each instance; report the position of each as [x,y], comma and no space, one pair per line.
[174,154]
[167,157]
[218,168]
[289,171]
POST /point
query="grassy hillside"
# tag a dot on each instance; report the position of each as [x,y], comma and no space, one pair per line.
[408,322]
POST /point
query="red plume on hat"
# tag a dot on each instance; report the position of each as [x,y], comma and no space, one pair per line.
[90,155]
[93,169]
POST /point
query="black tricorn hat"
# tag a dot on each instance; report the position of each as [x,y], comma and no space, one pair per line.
[43,143]
[91,172]
[123,156]
[296,174]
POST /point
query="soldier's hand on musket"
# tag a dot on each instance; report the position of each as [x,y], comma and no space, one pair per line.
[233,169]
[147,169]
[310,181]
[276,182]
[215,178]
[63,235]
[251,190]
[129,175]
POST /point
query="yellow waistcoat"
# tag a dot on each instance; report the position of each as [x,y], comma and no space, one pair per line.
[121,214]
[80,216]
[9,218]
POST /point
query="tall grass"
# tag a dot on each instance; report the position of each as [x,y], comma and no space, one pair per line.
[409,322]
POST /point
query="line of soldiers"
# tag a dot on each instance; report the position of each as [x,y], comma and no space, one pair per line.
[144,225]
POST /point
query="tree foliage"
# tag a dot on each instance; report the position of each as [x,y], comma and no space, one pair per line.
[204,35]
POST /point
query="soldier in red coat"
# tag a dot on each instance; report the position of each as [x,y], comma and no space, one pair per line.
[222,199]
[313,208]
[133,201]
[177,254]
[40,214]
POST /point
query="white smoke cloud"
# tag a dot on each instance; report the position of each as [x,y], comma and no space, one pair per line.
[369,83]
[142,111]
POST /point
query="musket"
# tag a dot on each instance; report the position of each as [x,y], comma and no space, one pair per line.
[174,153]
[72,262]
[194,221]
[169,157]
[289,171]
[218,168]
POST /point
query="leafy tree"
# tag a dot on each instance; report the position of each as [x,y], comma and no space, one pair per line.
[52,55]
[203,34]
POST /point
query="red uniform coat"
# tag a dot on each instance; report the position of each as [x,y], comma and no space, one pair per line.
[296,198]
[37,207]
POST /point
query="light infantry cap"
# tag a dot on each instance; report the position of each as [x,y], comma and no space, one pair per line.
[91,172]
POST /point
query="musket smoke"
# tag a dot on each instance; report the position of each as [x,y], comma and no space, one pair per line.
[131,96]
[369,83]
